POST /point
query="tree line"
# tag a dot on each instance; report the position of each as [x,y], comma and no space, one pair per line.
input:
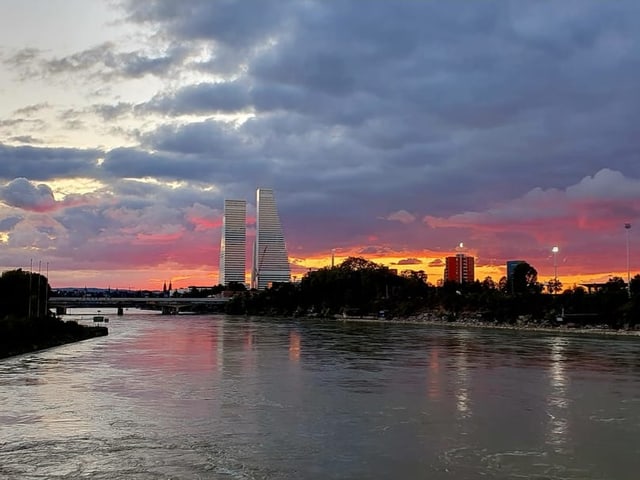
[26,324]
[359,287]
[23,294]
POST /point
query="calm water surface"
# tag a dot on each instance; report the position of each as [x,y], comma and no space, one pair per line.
[216,397]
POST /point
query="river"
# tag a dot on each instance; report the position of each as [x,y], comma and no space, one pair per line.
[215,397]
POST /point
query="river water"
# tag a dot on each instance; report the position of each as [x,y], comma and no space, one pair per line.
[215,397]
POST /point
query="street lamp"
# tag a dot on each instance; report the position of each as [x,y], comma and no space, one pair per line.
[555,251]
[627,227]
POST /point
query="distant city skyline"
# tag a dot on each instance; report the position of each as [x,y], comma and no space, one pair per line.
[391,131]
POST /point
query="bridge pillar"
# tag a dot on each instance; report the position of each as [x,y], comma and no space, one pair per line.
[120,311]
[61,310]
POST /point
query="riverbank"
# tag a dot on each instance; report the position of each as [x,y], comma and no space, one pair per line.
[19,336]
[435,320]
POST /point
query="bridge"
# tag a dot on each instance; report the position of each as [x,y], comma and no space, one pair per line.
[168,305]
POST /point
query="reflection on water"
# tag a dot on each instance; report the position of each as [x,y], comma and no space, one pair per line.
[231,397]
[294,346]
[558,402]
[434,388]
[463,402]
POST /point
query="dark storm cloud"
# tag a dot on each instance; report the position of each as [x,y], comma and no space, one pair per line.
[215,139]
[23,194]
[138,163]
[133,194]
[363,115]
[86,222]
[42,163]
[232,23]
[134,65]
[7,224]
[168,165]
[201,98]
[429,90]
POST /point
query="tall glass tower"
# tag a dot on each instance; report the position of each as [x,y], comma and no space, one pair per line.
[233,242]
[270,259]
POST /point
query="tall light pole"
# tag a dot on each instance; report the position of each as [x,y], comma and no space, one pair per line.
[38,291]
[30,275]
[460,261]
[46,294]
[555,251]
[627,227]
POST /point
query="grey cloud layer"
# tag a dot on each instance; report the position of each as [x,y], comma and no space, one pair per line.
[103,60]
[23,194]
[356,110]
[433,90]
[46,163]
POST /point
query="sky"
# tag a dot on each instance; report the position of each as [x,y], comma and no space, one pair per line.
[390,130]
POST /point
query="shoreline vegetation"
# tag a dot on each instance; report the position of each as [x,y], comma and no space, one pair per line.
[522,326]
[26,324]
[359,289]
[20,336]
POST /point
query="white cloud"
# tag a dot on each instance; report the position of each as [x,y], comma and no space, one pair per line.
[606,184]
[401,216]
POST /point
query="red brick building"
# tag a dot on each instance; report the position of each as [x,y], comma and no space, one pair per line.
[460,268]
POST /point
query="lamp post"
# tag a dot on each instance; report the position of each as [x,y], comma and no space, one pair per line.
[627,227]
[555,251]
[46,294]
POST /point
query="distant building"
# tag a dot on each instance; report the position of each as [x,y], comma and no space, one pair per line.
[270,258]
[460,268]
[511,268]
[233,242]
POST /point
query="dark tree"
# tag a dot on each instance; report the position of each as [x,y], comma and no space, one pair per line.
[23,294]
[525,280]
[634,286]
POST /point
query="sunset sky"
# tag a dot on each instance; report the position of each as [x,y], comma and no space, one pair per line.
[392,130]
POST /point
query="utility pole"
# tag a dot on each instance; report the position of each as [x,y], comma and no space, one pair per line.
[46,293]
[38,291]
[29,299]
[555,251]
[627,227]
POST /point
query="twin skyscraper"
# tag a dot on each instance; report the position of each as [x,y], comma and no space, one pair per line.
[270,259]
